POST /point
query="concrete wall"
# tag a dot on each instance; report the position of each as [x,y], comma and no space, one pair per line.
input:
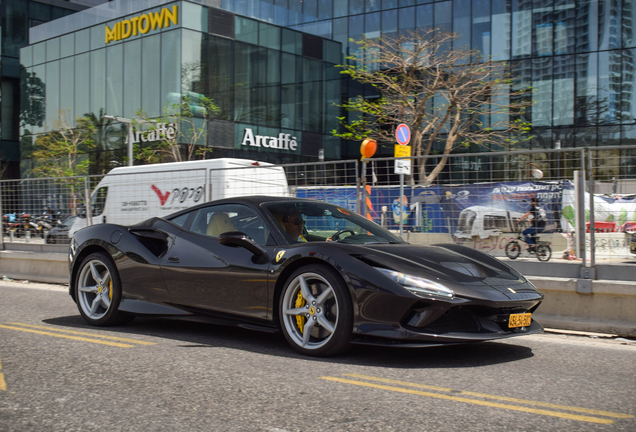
[34,266]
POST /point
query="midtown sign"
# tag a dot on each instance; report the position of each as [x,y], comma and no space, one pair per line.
[142,24]
[282,142]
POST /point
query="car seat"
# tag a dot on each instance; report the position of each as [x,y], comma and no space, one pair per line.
[219,224]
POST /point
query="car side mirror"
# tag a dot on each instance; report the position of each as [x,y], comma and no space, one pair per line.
[239,239]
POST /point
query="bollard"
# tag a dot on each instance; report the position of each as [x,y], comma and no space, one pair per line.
[11,236]
[27,235]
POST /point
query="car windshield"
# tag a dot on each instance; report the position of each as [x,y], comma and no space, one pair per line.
[327,222]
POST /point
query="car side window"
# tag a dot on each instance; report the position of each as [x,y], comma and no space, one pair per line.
[216,220]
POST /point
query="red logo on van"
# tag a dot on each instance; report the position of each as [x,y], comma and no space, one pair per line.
[162,197]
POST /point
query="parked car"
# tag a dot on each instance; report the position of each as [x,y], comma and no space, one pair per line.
[59,233]
[340,279]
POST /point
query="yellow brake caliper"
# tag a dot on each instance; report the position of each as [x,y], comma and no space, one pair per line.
[110,289]
[300,319]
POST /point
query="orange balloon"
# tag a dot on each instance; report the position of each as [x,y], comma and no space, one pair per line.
[368,148]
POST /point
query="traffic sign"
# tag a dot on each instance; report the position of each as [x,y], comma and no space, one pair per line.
[403,134]
[402,151]
[402,166]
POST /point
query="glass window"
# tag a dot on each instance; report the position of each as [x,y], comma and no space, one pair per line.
[325,9]
[39,11]
[67,45]
[290,106]
[587,26]
[628,108]
[280,12]
[341,8]
[243,78]
[26,56]
[132,78]
[406,20]
[98,39]
[150,64]
[481,27]
[563,104]
[98,201]
[521,28]
[404,3]
[461,23]
[424,18]
[389,4]
[609,35]
[295,12]
[269,36]
[500,45]
[82,41]
[52,49]
[246,30]
[194,17]
[332,52]
[292,42]
[629,14]
[609,85]
[341,33]
[39,53]
[217,72]
[170,64]
[543,27]
[82,85]
[67,84]
[310,10]
[10,94]
[216,220]
[587,103]
[98,81]
[372,25]
[443,21]
[38,103]
[15,27]
[356,7]
[115,79]
[564,26]
[52,93]
[356,31]
[542,91]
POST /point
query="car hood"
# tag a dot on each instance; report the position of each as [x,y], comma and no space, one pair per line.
[464,269]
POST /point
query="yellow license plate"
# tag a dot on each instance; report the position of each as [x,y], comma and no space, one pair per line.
[519,320]
[633,246]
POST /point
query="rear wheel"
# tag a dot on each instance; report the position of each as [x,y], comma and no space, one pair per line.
[98,291]
[513,249]
[316,312]
[544,252]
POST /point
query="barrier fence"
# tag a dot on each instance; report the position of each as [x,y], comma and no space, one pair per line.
[476,199]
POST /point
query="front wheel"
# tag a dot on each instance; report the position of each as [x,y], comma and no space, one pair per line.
[316,311]
[544,252]
[513,249]
[98,291]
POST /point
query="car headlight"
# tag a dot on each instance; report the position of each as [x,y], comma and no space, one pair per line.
[417,285]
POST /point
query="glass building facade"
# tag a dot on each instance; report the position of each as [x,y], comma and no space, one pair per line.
[265,80]
[578,56]
[17,17]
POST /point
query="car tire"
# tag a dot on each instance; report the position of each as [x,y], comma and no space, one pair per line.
[98,291]
[316,311]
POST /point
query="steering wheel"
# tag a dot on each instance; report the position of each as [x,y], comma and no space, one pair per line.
[336,236]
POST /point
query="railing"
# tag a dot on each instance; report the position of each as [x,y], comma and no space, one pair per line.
[477,199]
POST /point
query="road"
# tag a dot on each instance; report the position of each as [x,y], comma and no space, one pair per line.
[58,374]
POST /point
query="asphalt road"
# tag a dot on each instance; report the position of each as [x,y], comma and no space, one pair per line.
[58,374]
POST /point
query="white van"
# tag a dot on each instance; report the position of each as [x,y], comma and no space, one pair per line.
[128,195]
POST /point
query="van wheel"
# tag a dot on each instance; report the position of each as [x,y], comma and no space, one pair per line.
[98,291]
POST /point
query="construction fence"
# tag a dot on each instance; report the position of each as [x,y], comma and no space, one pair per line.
[476,199]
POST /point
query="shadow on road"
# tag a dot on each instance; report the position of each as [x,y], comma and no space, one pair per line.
[205,336]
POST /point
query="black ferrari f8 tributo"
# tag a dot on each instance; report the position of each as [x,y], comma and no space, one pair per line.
[323,275]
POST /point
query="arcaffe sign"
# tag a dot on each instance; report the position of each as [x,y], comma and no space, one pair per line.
[142,24]
[282,142]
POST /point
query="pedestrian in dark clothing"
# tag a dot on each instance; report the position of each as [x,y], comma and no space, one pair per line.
[538,222]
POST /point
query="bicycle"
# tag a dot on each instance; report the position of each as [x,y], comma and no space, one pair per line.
[542,249]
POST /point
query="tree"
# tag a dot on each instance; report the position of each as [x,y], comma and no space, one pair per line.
[63,151]
[438,92]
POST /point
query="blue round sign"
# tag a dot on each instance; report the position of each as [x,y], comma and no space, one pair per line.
[403,134]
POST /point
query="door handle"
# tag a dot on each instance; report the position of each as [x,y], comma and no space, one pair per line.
[174,259]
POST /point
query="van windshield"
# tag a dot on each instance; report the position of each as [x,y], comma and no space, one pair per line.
[98,201]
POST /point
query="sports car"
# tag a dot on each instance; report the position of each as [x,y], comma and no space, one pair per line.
[321,274]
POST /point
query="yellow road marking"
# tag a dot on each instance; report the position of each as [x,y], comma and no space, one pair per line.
[3,384]
[68,337]
[475,401]
[502,398]
[139,342]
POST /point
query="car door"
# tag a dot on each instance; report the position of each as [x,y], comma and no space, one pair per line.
[202,273]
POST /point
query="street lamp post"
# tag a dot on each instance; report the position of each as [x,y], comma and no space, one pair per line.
[130,134]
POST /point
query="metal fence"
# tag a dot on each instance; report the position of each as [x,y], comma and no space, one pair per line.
[476,199]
